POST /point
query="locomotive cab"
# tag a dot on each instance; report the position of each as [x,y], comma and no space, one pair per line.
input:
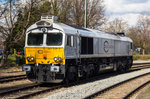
[44,50]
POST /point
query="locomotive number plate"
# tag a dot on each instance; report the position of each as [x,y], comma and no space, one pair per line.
[54,68]
[26,68]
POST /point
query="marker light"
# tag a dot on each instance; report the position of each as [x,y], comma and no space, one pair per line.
[28,58]
[59,58]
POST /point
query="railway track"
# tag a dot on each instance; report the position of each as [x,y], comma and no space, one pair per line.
[12,78]
[140,66]
[20,77]
[105,92]
[27,91]
[13,72]
[35,89]
[104,82]
[130,94]
[141,63]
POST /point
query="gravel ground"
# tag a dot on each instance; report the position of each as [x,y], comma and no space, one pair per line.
[141,61]
[83,90]
[120,91]
[10,71]
[144,93]
[14,84]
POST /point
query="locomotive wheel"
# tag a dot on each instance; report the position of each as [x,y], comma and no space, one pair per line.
[127,65]
[66,82]
[76,78]
[120,67]
[71,76]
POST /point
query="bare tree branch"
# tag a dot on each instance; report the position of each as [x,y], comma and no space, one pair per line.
[115,26]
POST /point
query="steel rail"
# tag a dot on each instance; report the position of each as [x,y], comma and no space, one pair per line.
[135,90]
[69,85]
[5,77]
[111,87]
[4,92]
[12,78]
[39,92]
[141,63]
[11,91]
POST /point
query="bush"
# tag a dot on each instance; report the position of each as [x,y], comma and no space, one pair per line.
[11,60]
[141,57]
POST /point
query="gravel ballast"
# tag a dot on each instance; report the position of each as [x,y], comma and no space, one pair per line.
[122,90]
[81,91]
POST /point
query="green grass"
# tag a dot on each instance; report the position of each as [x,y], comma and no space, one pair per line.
[11,60]
[141,57]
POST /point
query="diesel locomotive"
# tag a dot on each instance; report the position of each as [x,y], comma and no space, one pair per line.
[56,52]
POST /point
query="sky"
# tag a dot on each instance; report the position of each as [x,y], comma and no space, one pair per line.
[5,1]
[2,2]
[127,10]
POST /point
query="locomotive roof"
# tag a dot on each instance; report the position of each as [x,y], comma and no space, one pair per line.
[85,32]
[68,29]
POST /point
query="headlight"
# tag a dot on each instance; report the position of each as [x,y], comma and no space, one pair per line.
[32,58]
[59,58]
[55,58]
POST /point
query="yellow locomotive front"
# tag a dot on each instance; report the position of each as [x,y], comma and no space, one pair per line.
[44,50]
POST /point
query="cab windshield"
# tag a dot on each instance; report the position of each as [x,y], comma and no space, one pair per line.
[54,39]
[35,39]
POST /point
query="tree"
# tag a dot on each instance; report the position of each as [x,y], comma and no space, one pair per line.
[135,36]
[144,31]
[8,17]
[95,13]
[16,22]
[18,17]
[115,26]
[141,33]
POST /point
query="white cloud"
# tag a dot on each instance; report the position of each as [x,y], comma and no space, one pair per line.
[121,6]
[128,10]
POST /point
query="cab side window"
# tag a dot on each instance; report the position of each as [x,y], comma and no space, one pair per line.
[70,40]
[131,45]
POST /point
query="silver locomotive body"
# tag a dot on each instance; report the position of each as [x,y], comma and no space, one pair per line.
[86,52]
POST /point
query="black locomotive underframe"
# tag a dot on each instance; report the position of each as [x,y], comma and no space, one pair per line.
[86,67]
[75,68]
[42,73]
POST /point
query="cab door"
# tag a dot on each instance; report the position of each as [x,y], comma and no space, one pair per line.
[71,48]
[78,45]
